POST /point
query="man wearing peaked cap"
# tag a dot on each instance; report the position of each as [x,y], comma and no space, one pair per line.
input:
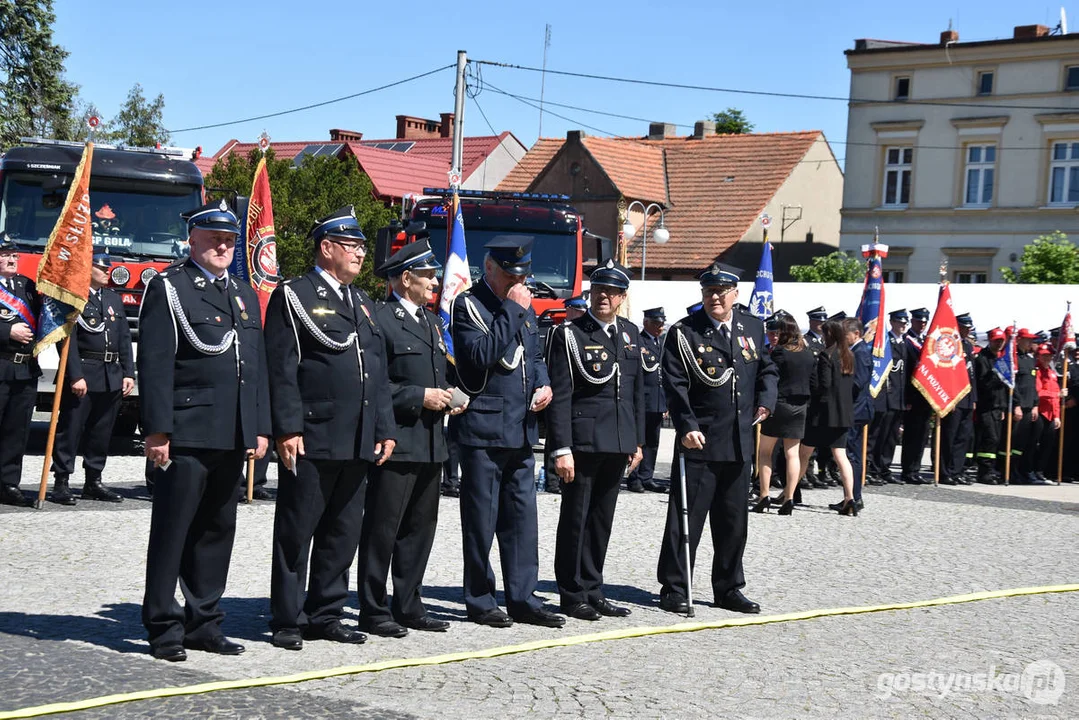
[957,427]
[814,337]
[595,428]
[917,412]
[655,402]
[401,511]
[991,406]
[719,381]
[333,423]
[499,361]
[100,371]
[838,317]
[19,371]
[205,404]
[889,405]
[1025,411]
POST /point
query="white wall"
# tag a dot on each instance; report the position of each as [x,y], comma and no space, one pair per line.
[1039,307]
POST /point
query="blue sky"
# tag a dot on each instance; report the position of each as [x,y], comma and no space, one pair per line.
[222,61]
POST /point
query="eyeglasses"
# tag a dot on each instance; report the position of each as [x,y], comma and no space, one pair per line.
[719,290]
[608,290]
[354,248]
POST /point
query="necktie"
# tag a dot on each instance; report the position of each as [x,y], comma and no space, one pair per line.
[221,284]
[612,330]
[421,317]
[725,333]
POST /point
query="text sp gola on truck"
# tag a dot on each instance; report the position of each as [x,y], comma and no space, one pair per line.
[136,197]
[562,248]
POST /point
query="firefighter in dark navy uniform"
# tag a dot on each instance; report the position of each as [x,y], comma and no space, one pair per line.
[402,496]
[719,381]
[595,429]
[205,403]
[19,371]
[576,306]
[957,427]
[500,365]
[332,420]
[100,371]
[918,413]
[655,402]
[888,406]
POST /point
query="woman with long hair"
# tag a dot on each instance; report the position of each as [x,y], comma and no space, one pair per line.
[795,363]
[831,408]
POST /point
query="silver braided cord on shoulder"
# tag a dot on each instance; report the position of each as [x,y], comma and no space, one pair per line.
[189,332]
[644,363]
[298,310]
[573,351]
[518,354]
[86,326]
[693,368]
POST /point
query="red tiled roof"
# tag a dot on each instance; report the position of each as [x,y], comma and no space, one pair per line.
[396,174]
[635,169]
[535,160]
[473,151]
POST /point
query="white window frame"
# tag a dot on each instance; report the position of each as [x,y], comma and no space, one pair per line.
[982,168]
[1068,168]
[957,273]
[899,169]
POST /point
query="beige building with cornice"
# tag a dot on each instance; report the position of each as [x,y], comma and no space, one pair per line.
[962,152]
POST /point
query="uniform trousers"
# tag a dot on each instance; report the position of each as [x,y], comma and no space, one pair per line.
[192,527]
[988,427]
[915,432]
[89,419]
[645,471]
[716,491]
[16,409]
[319,513]
[584,526]
[399,532]
[498,497]
[956,429]
[883,437]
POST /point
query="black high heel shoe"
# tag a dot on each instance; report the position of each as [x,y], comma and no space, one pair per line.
[848,508]
[786,508]
[763,504]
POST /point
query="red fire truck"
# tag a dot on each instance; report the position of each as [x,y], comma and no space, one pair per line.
[136,197]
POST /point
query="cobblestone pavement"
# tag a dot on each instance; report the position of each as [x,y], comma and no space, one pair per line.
[72,585]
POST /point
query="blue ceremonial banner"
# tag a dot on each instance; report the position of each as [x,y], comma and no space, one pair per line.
[871,313]
[761,302]
[456,277]
[1006,364]
[53,316]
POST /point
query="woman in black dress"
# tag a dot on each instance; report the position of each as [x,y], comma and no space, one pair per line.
[831,408]
[795,363]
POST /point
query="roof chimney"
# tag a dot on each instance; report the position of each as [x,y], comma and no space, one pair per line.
[949,36]
[703,128]
[445,125]
[1027,32]
[575,136]
[339,135]
[660,131]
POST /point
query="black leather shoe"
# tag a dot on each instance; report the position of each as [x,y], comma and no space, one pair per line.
[288,639]
[492,618]
[218,644]
[12,495]
[94,490]
[334,632]
[451,491]
[260,493]
[61,492]
[582,611]
[607,608]
[736,601]
[384,628]
[541,617]
[635,486]
[173,652]
[653,486]
[426,623]
[674,603]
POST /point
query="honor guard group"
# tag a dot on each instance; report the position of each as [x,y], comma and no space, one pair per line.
[364,410]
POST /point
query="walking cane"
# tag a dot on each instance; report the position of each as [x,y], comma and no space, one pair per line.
[685,530]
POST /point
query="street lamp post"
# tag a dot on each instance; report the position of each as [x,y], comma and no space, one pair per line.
[661,235]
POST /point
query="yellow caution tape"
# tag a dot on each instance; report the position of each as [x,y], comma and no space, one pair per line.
[201,688]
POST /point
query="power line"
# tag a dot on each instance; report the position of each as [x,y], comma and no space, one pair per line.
[767,93]
[518,98]
[315,105]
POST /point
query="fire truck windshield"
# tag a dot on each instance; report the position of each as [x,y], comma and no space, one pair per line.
[129,218]
[554,255]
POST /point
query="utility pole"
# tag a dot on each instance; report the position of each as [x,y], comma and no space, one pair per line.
[458,119]
[543,75]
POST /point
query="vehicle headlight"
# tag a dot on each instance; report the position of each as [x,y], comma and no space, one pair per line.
[120,275]
[147,275]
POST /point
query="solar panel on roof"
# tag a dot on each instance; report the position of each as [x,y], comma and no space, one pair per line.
[402,146]
[384,145]
[330,149]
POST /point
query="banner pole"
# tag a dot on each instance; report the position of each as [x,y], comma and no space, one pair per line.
[250,478]
[1008,444]
[46,465]
[865,445]
[936,453]
[1060,432]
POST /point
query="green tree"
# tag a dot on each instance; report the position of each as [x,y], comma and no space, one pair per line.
[140,122]
[301,195]
[834,267]
[1050,260]
[732,121]
[35,99]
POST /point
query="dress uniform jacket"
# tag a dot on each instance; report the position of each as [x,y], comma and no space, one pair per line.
[27,368]
[1026,395]
[338,398]
[892,396]
[101,354]
[186,393]
[699,398]
[655,400]
[18,382]
[499,364]
[591,416]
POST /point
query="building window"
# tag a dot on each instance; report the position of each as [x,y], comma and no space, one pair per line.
[970,277]
[892,276]
[897,169]
[1064,174]
[985,83]
[1071,77]
[902,88]
[980,175]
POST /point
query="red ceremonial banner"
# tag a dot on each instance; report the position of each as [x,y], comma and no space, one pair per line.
[941,374]
[261,238]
